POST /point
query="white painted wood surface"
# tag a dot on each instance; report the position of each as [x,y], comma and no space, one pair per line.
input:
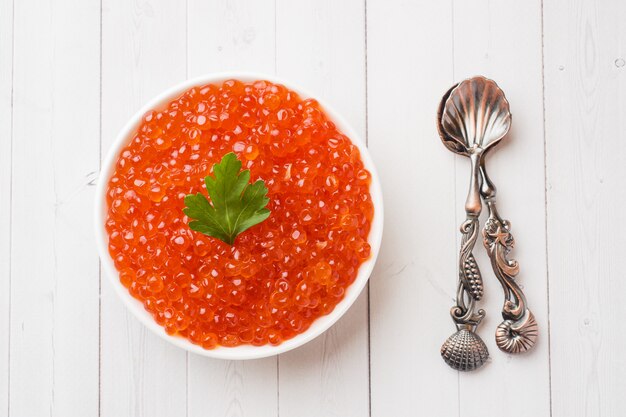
[585,106]
[6,128]
[72,72]
[487,36]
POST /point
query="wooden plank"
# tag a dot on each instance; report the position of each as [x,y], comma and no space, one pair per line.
[325,53]
[233,35]
[143,52]
[6,137]
[54,266]
[409,67]
[232,388]
[502,41]
[585,88]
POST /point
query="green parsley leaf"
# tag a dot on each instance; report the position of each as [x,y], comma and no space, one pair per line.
[235,205]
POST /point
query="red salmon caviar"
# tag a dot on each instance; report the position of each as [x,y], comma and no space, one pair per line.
[280,275]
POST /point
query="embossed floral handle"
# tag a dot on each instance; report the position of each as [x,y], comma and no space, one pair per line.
[518,332]
[465,350]
[470,287]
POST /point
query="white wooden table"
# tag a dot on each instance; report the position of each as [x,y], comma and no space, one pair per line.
[72,72]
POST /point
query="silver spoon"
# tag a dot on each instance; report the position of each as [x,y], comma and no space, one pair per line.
[518,332]
[460,133]
[473,117]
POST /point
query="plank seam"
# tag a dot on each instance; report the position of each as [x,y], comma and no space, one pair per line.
[545,200]
[369,326]
[187,39]
[100,262]
[454,165]
[11,204]
[275,39]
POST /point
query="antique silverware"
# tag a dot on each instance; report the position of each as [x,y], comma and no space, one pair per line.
[473,117]
[462,128]
[518,332]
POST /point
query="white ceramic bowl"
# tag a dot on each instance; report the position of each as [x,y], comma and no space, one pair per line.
[244,351]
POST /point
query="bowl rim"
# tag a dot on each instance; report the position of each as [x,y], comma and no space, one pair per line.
[321,324]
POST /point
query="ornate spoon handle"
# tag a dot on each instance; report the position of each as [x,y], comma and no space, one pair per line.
[465,350]
[518,332]
[470,287]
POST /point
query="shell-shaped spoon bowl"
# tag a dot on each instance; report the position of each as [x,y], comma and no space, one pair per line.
[473,114]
